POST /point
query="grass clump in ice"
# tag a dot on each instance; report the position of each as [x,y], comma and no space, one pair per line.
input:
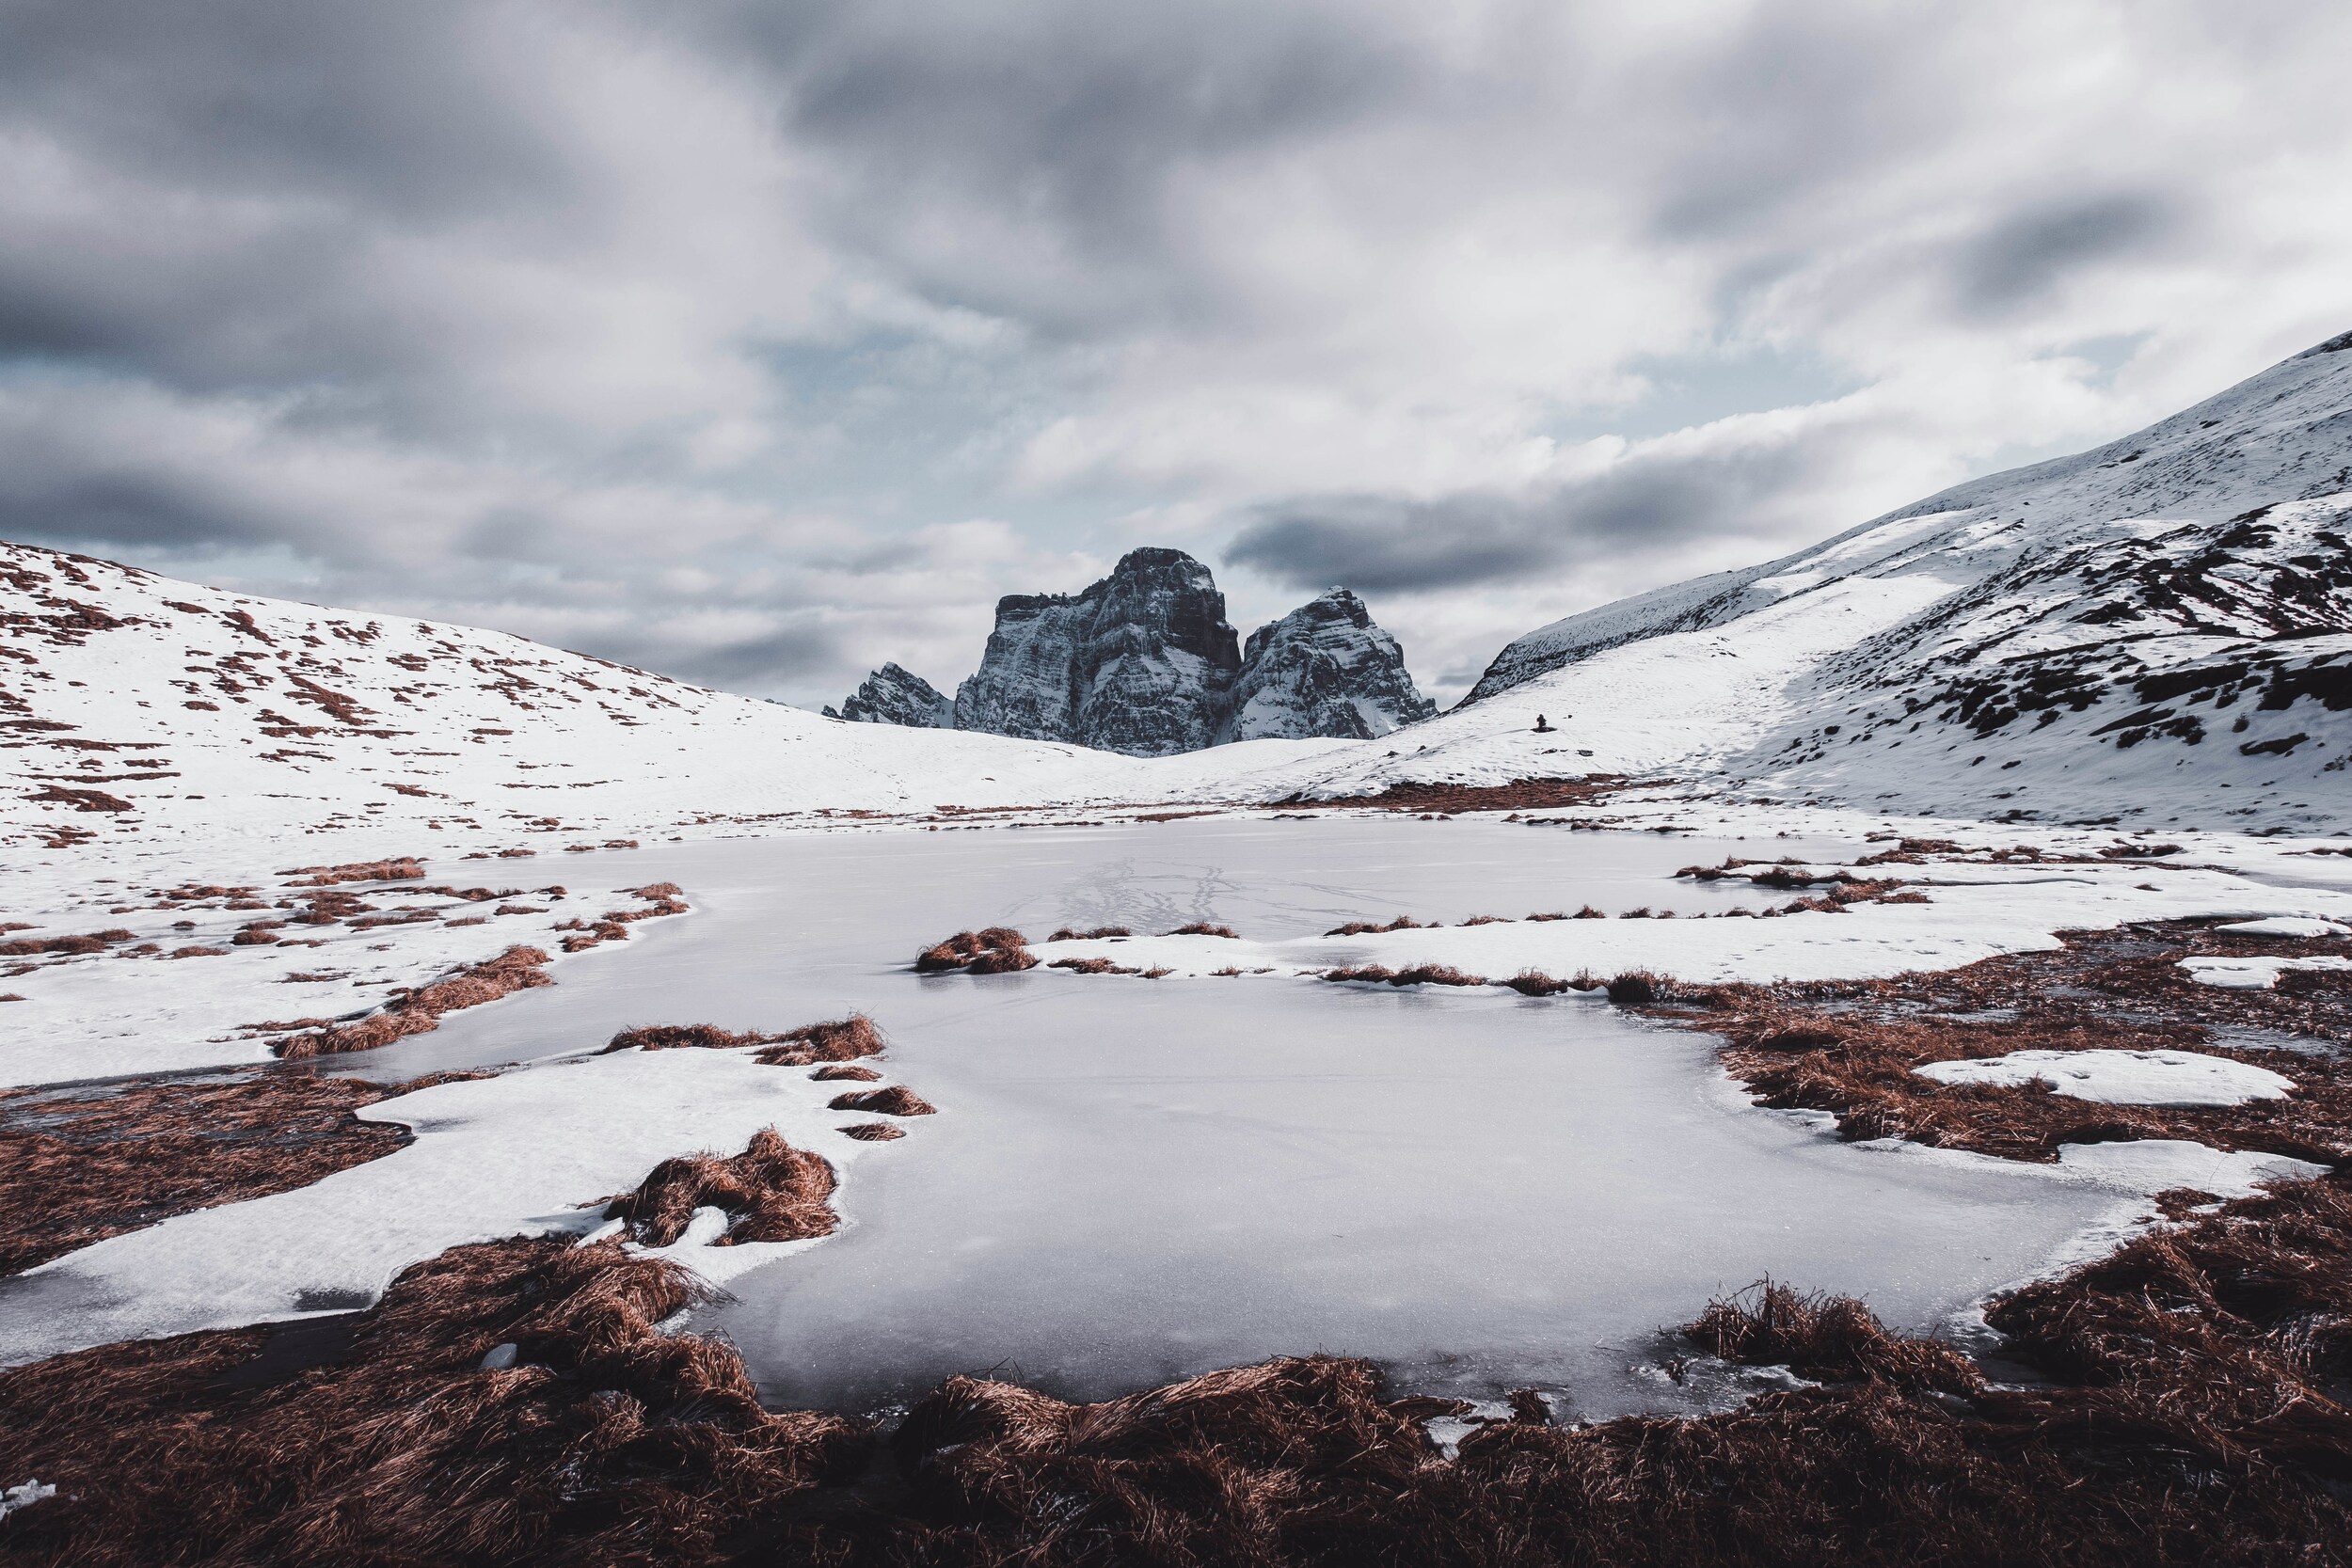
[895,1100]
[771,1191]
[996,950]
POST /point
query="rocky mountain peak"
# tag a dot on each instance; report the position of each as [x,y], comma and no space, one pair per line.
[1138,662]
[1325,669]
[1145,662]
[897,695]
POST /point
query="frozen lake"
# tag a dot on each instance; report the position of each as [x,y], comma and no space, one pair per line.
[1130,1182]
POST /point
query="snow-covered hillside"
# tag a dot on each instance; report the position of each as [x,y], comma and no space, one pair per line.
[134,707]
[2157,630]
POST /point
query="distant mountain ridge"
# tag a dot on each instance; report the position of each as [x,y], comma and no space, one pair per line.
[1144,663]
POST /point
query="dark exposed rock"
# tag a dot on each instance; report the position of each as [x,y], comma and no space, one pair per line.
[1144,663]
[1323,670]
[895,695]
[1139,663]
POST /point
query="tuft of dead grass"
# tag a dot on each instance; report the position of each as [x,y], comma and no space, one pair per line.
[840,1039]
[771,1191]
[1001,948]
[1202,928]
[419,1011]
[1534,982]
[894,1100]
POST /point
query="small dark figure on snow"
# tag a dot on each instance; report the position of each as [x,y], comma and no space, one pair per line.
[1542,725]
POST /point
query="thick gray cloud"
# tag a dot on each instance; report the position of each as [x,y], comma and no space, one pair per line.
[2024,257]
[1646,505]
[764,342]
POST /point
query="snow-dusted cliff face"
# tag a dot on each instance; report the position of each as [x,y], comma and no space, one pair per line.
[1143,662]
[2158,630]
[897,695]
[1323,670]
[1139,663]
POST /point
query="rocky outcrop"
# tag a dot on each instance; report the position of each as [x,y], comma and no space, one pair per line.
[1140,662]
[1323,670]
[895,695]
[1144,663]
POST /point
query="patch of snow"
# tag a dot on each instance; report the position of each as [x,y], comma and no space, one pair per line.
[2255,973]
[2287,925]
[24,1496]
[2150,1165]
[2124,1077]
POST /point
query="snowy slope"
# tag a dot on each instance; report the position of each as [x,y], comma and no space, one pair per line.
[2157,631]
[132,707]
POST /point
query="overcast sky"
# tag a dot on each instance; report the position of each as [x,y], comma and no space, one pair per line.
[759,341]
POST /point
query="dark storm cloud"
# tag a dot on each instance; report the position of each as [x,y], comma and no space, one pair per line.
[1394,545]
[100,510]
[783,656]
[2028,254]
[230,172]
[1016,158]
[1787,104]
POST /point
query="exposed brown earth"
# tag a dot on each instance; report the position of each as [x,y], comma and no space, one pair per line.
[1519,795]
[1848,1047]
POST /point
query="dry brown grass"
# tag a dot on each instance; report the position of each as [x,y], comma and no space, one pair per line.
[1091,966]
[840,1039]
[609,1442]
[895,1100]
[82,1164]
[1849,1047]
[1419,974]
[771,1191]
[1202,928]
[401,868]
[1366,928]
[1098,934]
[419,1011]
[1000,948]
[1520,795]
[1638,988]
